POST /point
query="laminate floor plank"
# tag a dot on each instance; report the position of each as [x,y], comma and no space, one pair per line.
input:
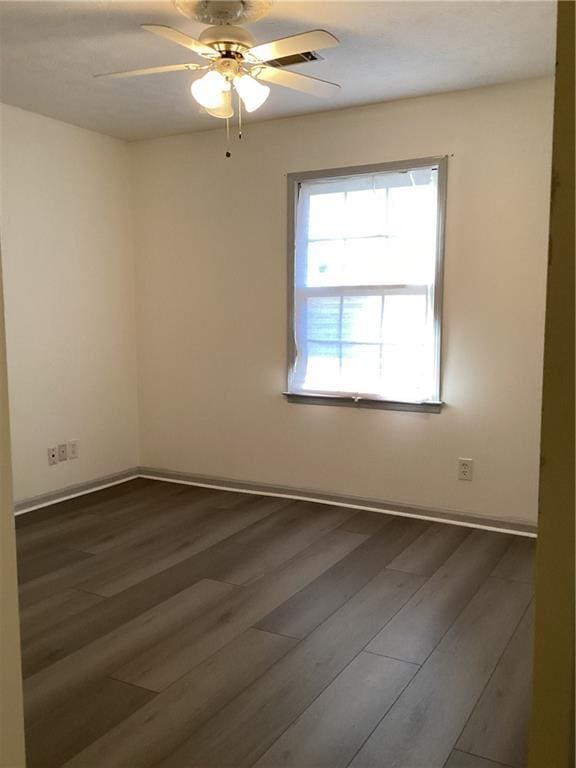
[430,550]
[38,618]
[329,733]
[35,538]
[158,581]
[111,502]
[30,568]
[149,491]
[101,516]
[136,521]
[120,498]
[161,517]
[418,627]
[518,562]
[95,533]
[68,728]
[422,727]
[243,730]
[150,553]
[160,665]
[301,614]
[462,760]
[131,524]
[161,550]
[159,727]
[305,523]
[67,676]
[366,522]
[58,580]
[498,727]
[84,503]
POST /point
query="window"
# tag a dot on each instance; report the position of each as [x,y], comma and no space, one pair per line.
[366,252]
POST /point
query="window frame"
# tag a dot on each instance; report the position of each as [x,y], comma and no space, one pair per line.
[294,180]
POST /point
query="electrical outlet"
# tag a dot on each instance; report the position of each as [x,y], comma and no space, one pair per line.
[465,469]
[73,449]
[53,455]
[63,452]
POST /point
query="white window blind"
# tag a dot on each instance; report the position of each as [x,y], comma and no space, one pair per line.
[365,315]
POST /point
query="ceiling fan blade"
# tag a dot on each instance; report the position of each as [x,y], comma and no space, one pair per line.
[294,80]
[180,39]
[288,46]
[151,70]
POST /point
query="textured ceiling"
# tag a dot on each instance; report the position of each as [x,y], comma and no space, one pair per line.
[389,50]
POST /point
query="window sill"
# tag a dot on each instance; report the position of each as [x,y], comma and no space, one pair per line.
[430,406]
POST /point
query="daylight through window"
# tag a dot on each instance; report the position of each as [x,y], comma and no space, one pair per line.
[367,252]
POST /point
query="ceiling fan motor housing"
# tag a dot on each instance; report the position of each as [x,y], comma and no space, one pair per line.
[227,38]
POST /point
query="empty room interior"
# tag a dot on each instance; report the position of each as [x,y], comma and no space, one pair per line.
[275,286]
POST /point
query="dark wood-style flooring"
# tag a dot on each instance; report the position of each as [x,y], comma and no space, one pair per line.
[166,625]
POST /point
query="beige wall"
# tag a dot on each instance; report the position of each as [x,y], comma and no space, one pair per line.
[68,256]
[210,238]
[211,259]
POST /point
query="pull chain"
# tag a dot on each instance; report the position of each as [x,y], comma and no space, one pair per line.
[228,153]
[239,117]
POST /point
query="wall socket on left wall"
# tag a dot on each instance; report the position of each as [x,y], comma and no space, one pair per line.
[63,452]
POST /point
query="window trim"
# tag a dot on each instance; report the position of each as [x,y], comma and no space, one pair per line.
[339,399]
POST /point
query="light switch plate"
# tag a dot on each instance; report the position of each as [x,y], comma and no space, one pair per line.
[73,449]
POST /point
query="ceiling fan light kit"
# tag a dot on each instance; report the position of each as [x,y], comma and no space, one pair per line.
[252,93]
[209,90]
[224,109]
[234,62]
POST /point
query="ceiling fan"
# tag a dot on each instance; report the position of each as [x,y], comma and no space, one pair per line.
[233,61]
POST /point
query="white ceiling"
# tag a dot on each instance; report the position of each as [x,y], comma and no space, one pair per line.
[50,50]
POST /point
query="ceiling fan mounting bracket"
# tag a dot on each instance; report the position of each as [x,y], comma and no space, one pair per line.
[220,12]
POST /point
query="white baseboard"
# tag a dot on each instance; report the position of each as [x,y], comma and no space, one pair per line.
[23,506]
[520,528]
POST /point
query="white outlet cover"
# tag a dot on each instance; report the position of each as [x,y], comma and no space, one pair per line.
[53,455]
[465,469]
